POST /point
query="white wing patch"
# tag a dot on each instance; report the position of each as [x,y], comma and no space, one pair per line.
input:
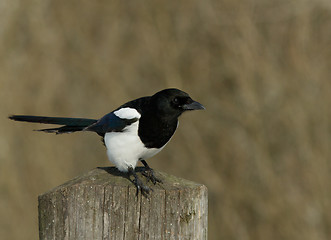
[127,113]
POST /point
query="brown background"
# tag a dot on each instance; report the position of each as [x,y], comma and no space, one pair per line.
[261,68]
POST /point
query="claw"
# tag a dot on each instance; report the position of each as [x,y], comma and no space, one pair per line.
[139,184]
[149,173]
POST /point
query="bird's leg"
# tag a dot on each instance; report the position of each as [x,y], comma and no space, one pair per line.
[138,183]
[149,173]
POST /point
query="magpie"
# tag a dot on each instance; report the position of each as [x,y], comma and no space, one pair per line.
[135,131]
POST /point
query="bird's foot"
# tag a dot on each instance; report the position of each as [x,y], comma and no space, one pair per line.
[139,184]
[149,174]
[141,187]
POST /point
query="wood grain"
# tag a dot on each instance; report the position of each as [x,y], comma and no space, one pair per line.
[103,204]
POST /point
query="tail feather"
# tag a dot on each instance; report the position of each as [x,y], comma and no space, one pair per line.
[70,124]
[64,129]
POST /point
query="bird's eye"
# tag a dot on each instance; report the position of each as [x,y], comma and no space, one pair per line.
[175,100]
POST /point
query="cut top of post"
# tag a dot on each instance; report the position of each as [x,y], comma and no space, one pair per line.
[110,175]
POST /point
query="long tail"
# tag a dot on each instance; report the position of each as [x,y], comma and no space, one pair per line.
[69,124]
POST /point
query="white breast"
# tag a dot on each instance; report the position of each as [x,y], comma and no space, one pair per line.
[125,148]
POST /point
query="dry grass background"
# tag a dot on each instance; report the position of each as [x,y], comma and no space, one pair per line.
[262,69]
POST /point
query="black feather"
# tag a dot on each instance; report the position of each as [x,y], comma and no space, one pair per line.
[64,129]
[70,124]
[84,122]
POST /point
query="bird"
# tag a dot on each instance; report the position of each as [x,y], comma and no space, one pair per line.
[135,131]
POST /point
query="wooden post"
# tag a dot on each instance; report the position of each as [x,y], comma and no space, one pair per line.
[102,204]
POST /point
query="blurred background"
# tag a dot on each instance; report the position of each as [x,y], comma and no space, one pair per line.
[262,69]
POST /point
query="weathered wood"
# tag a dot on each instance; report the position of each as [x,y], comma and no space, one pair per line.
[102,204]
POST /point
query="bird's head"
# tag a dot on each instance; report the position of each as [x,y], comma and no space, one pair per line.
[173,102]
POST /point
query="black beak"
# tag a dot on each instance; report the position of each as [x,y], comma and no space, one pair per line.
[193,106]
